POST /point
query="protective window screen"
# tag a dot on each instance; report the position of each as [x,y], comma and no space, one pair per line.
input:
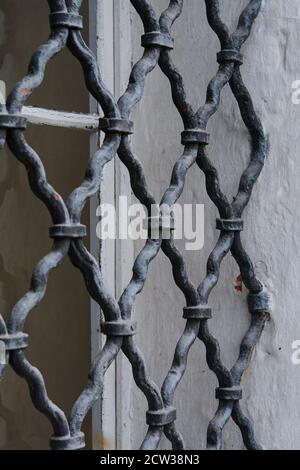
[68,230]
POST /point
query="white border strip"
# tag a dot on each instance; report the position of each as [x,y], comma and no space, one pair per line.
[101,13]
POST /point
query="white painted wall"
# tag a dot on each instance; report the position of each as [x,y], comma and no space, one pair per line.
[272,225]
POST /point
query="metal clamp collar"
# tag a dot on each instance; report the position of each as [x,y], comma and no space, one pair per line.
[119,328]
[159,224]
[230,225]
[195,136]
[67,231]
[65,20]
[12,121]
[116,125]
[230,55]
[156,38]
[15,341]
[258,303]
[198,312]
[229,393]
[68,442]
[161,417]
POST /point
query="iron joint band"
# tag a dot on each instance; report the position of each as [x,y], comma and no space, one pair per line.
[259,303]
[197,312]
[230,55]
[65,20]
[119,328]
[156,38]
[230,225]
[160,227]
[12,121]
[161,417]
[116,125]
[195,136]
[68,442]
[67,231]
[15,341]
[161,222]
[229,393]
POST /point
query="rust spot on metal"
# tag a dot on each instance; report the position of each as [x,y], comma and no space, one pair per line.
[25,91]
[238,283]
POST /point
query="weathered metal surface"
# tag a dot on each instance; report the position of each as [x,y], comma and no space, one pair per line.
[68,233]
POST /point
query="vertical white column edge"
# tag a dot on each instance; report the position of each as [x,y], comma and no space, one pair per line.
[124,248]
[101,21]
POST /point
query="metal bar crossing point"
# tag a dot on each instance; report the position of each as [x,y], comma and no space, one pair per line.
[67,231]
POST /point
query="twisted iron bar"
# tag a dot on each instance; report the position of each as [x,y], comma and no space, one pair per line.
[67,231]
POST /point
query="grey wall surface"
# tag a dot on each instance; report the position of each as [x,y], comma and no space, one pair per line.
[59,328]
[272,382]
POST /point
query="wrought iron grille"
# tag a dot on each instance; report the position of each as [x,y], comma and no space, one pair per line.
[68,233]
